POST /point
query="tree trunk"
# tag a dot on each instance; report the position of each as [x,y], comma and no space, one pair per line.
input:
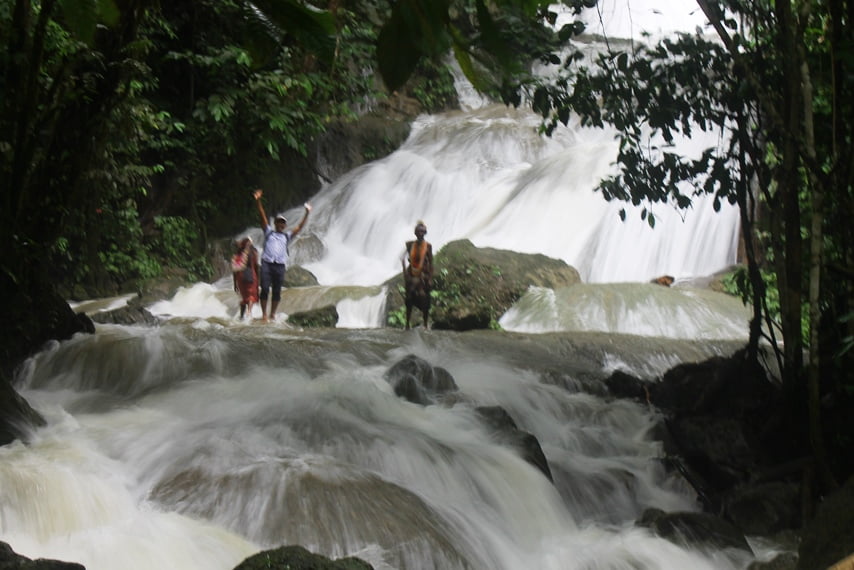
[747,213]
[789,274]
[816,264]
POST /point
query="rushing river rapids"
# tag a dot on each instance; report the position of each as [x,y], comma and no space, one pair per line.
[201,441]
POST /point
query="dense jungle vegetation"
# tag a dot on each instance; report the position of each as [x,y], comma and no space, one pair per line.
[132,130]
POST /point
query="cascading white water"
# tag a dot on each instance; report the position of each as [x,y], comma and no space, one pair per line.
[488,176]
[197,443]
[192,447]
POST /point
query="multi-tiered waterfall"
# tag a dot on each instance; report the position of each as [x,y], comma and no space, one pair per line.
[196,443]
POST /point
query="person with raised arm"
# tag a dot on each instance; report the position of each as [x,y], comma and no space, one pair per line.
[275,257]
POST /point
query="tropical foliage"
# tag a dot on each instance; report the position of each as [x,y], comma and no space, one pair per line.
[771,79]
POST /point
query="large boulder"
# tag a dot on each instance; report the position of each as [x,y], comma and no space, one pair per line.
[725,433]
[474,287]
[134,313]
[17,417]
[829,536]
[420,382]
[764,508]
[323,317]
[723,420]
[297,276]
[31,317]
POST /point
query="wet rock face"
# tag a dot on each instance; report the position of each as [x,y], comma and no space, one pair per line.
[700,529]
[419,382]
[507,432]
[722,432]
[17,418]
[30,319]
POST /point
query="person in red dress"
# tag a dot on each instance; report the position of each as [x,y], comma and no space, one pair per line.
[244,270]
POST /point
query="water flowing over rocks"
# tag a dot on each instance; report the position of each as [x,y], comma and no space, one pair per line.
[419,382]
[509,433]
[134,313]
[345,146]
[726,431]
[694,528]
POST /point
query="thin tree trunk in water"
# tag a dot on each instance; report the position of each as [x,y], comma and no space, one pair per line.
[746,214]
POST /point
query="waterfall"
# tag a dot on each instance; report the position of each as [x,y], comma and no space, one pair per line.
[196,443]
[488,176]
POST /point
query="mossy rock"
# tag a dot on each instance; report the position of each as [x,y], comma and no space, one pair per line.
[474,287]
[316,318]
[296,276]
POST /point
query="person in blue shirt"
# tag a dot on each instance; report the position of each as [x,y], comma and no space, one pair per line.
[275,257]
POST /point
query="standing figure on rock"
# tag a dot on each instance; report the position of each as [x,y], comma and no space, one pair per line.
[275,258]
[244,271]
[418,274]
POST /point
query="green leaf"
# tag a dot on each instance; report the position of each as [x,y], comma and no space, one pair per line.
[491,36]
[478,80]
[541,103]
[108,12]
[309,26]
[416,29]
[81,17]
